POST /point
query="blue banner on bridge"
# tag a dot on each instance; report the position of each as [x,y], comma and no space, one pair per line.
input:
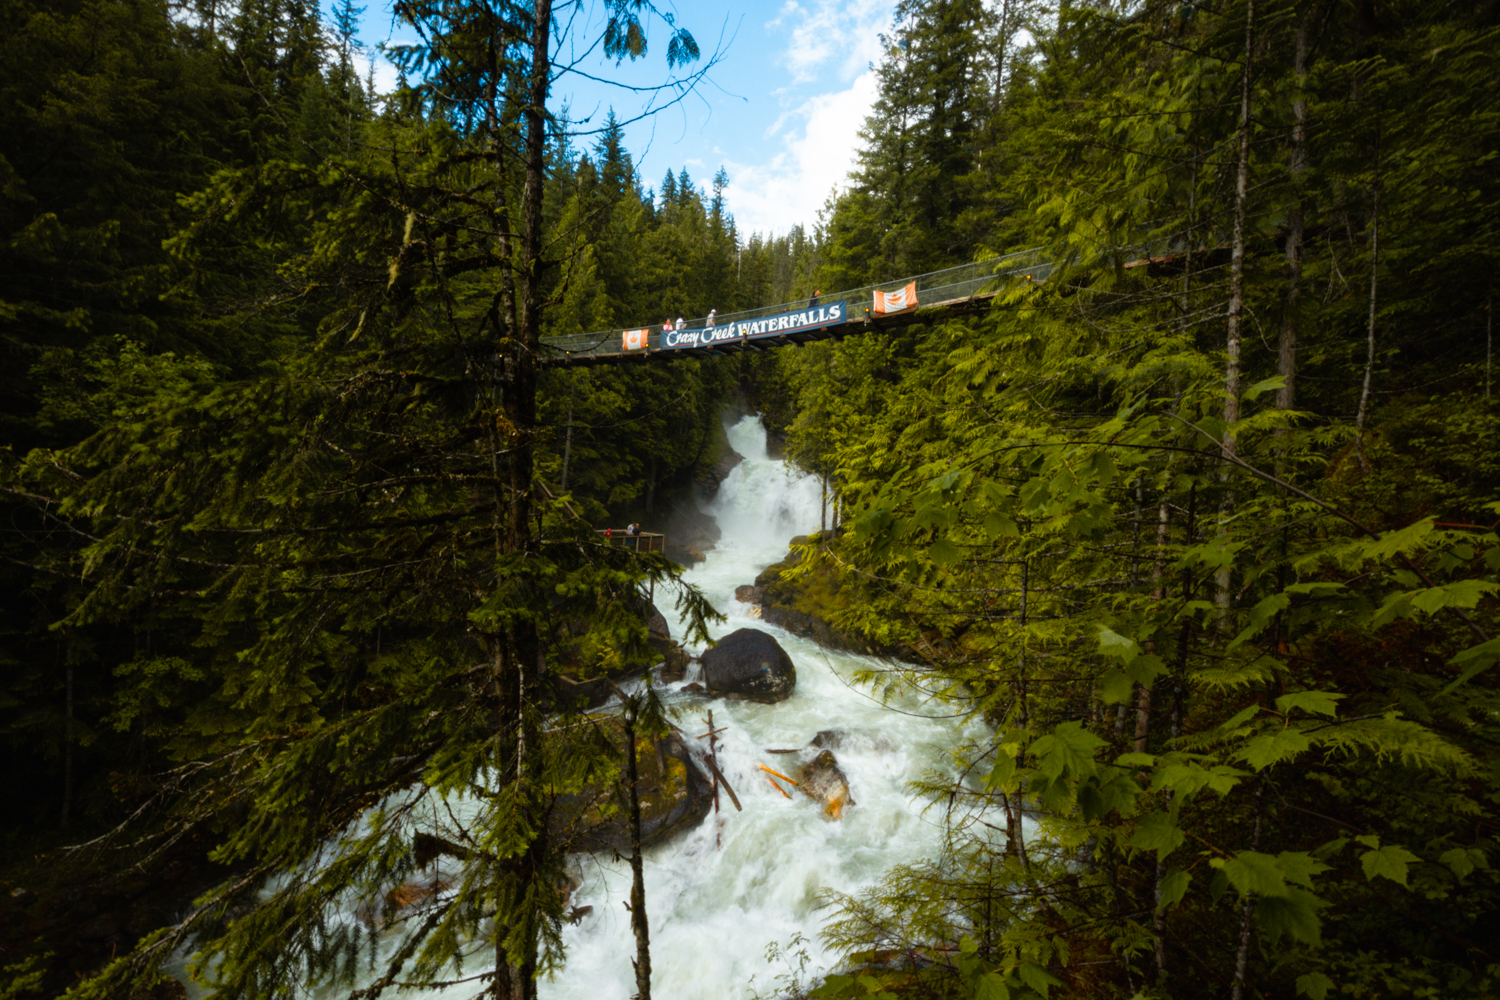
[811,318]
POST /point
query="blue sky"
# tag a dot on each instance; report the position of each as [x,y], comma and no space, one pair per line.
[779,111]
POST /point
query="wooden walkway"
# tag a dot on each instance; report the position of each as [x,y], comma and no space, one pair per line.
[955,291]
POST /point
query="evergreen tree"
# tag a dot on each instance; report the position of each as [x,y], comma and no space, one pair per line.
[370,615]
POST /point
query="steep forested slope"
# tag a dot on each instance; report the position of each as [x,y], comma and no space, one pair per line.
[1206,524]
[279,472]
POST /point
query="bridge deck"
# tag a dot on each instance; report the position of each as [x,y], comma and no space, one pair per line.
[955,291]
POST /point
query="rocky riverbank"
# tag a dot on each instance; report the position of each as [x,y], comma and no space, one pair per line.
[805,604]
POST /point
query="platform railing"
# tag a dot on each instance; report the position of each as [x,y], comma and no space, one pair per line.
[645,541]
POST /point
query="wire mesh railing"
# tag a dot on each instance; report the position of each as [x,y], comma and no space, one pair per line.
[949,285]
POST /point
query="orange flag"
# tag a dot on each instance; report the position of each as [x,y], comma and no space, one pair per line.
[897,301]
[634,340]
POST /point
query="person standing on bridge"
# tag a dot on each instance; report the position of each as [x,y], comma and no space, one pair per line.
[812,303]
[679,322]
[666,327]
[711,314]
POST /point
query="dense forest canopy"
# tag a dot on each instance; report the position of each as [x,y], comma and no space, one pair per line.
[299,535]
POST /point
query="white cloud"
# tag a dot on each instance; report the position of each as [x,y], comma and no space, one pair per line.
[841,33]
[386,76]
[790,186]
[809,149]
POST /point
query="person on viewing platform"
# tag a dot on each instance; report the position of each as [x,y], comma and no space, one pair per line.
[634,531]
[609,533]
[711,314]
[667,326]
[812,303]
[679,322]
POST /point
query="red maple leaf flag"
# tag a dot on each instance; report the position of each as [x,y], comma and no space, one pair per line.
[900,300]
[634,340]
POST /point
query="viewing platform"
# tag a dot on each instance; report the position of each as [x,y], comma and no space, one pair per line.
[646,541]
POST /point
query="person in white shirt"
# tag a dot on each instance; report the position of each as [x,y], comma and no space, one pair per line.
[679,322]
[711,314]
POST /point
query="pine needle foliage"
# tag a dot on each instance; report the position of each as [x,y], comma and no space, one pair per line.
[1232,621]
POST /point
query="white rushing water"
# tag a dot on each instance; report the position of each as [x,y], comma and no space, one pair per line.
[719,895]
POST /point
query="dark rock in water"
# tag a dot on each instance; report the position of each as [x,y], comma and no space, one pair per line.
[748,664]
[595,691]
[775,444]
[674,794]
[822,781]
[658,632]
[803,606]
[695,688]
[674,666]
[747,593]
[840,739]
[716,464]
[690,532]
[574,687]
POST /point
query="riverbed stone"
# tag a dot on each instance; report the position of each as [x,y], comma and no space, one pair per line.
[674,664]
[749,665]
[823,781]
[675,795]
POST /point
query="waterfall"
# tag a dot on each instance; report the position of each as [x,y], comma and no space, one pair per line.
[719,895]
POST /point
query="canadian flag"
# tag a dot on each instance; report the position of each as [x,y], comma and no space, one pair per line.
[897,301]
[634,340]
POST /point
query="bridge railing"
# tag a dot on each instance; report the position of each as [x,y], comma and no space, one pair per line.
[953,283]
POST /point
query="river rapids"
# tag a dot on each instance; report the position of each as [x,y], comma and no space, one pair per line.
[718,896]
[743,881]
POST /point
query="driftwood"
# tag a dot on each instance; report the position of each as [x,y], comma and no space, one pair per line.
[732,797]
[778,774]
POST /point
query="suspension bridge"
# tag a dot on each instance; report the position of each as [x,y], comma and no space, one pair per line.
[965,289]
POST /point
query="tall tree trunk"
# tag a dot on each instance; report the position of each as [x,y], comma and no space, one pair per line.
[638,923]
[1237,283]
[1364,393]
[521,646]
[1237,252]
[1242,953]
[1286,353]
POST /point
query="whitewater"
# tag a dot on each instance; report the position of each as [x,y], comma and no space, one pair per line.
[719,896]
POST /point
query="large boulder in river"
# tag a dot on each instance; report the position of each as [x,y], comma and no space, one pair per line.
[822,781]
[675,795]
[748,664]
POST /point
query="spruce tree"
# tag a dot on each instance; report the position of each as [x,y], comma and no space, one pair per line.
[362,545]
